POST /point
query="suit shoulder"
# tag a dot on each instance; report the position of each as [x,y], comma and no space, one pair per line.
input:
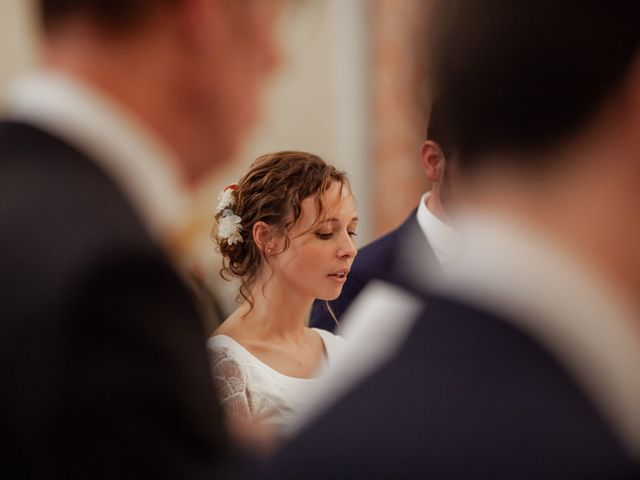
[60,212]
[54,190]
[388,244]
[496,388]
[381,257]
[377,253]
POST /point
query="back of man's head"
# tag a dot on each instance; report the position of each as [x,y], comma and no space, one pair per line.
[522,76]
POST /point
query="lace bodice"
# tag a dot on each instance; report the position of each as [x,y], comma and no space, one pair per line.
[250,388]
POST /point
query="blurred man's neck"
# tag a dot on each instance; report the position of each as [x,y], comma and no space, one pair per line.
[434,203]
[579,205]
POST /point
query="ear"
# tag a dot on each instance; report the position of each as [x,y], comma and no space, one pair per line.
[263,237]
[432,160]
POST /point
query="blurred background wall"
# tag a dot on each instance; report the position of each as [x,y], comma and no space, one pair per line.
[346,91]
[18,45]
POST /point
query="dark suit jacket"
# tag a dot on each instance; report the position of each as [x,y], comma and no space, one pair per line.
[469,396]
[103,363]
[391,258]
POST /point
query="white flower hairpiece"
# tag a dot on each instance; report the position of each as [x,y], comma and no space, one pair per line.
[229,224]
[226,198]
[229,227]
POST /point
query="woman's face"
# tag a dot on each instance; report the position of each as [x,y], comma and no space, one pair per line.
[319,257]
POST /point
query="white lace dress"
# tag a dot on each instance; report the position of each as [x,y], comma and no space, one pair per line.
[250,388]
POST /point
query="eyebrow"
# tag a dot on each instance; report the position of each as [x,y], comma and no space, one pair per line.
[335,220]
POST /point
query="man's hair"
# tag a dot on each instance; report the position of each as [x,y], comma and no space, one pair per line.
[437,131]
[111,15]
[520,76]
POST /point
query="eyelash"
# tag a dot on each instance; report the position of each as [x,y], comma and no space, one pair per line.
[327,236]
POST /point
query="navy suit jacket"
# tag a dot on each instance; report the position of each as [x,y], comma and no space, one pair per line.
[401,257]
[468,396]
[103,364]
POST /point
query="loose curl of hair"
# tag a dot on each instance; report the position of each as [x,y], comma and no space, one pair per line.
[272,192]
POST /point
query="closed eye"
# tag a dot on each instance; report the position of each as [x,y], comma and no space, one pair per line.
[324,235]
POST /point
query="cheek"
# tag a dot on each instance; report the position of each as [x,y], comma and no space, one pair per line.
[306,260]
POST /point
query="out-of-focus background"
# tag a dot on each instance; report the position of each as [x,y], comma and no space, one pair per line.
[347,91]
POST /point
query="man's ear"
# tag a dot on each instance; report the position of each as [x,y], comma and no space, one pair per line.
[432,160]
[263,237]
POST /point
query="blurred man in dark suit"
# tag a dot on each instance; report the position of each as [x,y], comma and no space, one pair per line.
[392,257]
[102,352]
[523,363]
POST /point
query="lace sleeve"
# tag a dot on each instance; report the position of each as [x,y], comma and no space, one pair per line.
[231,383]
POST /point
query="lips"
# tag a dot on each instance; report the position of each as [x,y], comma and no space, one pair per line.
[340,275]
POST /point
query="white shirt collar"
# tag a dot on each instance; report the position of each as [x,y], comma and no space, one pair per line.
[442,238]
[510,269]
[136,159]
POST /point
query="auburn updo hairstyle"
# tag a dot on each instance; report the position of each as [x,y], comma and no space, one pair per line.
[272,192]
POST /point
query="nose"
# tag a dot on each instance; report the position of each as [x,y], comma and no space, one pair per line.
[347,247]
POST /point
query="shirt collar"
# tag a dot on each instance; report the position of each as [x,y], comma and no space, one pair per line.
[133,156]
[442,238]
[511,269]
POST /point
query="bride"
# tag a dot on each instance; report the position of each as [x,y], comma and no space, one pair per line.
[286,232]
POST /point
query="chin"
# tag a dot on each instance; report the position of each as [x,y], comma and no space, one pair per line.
[329,296]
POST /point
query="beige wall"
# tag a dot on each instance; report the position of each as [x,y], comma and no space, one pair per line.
[17,39]
[398,123]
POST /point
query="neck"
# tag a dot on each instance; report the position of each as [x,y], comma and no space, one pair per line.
[278,312]
[434,203]
[581,208]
